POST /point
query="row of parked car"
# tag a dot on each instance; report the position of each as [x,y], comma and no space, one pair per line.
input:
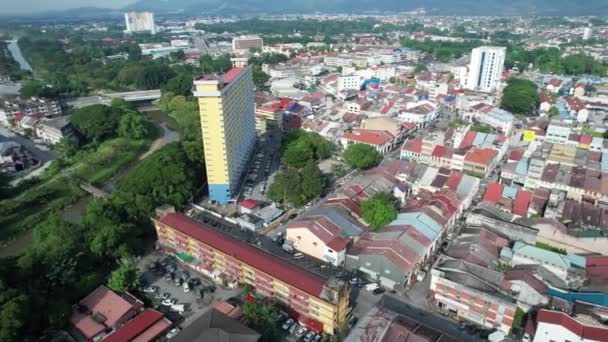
[254,172]
[298,331]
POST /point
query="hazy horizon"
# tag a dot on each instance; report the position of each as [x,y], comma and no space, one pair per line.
[37,6]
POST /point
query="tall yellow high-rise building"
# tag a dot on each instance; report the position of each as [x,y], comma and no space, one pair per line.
[227,113]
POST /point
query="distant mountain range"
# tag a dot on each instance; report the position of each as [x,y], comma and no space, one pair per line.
[432,7]
[439,7]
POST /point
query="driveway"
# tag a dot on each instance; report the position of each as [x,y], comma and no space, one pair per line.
[42,153]
[195,306]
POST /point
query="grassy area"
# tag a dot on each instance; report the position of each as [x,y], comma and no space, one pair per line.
[59,187]
[551,248]
[475,174]
[587,130]
[111,157]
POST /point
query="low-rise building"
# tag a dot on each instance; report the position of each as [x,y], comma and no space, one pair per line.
[421,114]
[101,312]
[471,292]
[319,303]
[567,267]
[557,326]
[53,130]
[381,141]
[28,107]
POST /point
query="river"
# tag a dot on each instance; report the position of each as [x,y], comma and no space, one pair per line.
[13,47]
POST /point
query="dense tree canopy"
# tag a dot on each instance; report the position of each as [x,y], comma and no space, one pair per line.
[551,60]
[297,187]
[520,96]
[96,122]
[361,156]
[300,147]
[133,125]
[260,317]
[210,65]
[126,277]
[443,51]
[379,210]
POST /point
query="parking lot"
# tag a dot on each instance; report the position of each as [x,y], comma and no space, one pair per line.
[160,284]
[265,162]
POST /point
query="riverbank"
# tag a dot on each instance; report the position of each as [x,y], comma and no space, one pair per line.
[13,47]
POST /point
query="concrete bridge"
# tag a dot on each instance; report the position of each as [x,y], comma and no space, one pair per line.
[129,96]
[95,191]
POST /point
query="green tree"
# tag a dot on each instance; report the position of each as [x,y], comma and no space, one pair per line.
[260,317]
[126,277]
[313,181]
[179,85]
[259,77]
[178,56]
[379,210]
[166,177]
[420,68]
[520,96]
[13,317]
[65,148]
[97,122]
[481,128]
[553,111]
[5,185]
[133,125]
[298,153]
[361,156]
[287,187]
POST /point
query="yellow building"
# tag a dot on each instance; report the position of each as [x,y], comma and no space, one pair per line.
[227,114]
[529,135]
[319,303]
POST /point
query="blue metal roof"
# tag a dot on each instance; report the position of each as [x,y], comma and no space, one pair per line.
[596,298]
[422,222]
[501,114]
[479,138]
[522,167]
[604,163]
[542,255]
[509,192]
[338,216]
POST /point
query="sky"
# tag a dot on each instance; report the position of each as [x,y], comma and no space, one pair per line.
[33,6]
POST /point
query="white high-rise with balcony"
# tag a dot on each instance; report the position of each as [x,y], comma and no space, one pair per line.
[140,22]
[485,70]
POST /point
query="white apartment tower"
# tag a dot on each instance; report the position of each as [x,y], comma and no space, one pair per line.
[140,22]
[587,33]
[487,63]
[242,43]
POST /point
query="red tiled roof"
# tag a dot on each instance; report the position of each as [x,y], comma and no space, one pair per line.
[590,333]
[516,154]
[231,74]
[249,203]
[585,139]
[324,229]
[468,139]
[370,137]
[522,201]
[555,82]
[596,268]
[438,151]
[137,326]
[101,301]
[481,156]
[413,145]
[276,267]
[454,180]
[493,193]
